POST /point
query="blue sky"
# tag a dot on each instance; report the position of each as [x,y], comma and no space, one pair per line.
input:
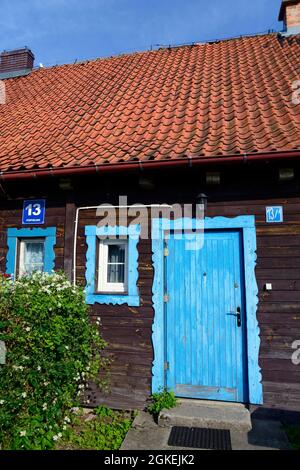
[61,31]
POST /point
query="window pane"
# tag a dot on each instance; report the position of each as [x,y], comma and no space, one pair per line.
[115,273]
[33,257]
[116,253]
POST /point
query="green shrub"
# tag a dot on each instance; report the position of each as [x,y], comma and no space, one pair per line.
[105,431]
[164,399]
[104,412]
[293,434]
[52,351]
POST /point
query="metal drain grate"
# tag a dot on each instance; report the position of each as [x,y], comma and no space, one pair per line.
[200,438]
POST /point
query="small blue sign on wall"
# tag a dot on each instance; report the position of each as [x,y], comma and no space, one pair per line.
[274,214]
[34,211]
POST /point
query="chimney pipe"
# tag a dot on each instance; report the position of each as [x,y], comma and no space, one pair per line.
[16,63]
[290,15]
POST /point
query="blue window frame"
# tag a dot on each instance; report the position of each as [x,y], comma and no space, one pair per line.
[14,236]
[132,234]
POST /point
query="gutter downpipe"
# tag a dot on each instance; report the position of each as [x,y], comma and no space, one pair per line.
[188,162]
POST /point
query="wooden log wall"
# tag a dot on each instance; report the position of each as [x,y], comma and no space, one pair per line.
[128,330]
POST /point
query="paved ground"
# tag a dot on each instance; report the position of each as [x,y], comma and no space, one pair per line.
[145,434]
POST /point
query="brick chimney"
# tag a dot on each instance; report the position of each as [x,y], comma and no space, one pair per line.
[16,63]
[290,15]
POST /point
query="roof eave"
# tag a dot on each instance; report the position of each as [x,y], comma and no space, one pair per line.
[182,162]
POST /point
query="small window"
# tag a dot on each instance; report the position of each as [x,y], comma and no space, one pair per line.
[31,255]
[113,266]
[29,250]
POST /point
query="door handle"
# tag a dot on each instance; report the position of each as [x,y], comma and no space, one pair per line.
[238,316]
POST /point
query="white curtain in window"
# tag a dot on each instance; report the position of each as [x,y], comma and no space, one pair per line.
[116,264]
[33,257]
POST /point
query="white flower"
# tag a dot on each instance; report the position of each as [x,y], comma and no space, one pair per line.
[59,434]
[24,395]
[22,433]
[46,383]
[67,419]
[45,406]
[1,402]
[81,386]
[64,427]
[67,347]
[27,328]
[55,438]
[39,368]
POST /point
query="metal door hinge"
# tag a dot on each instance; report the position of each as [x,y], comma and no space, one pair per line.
[166,298]
[166,365]
[166,251]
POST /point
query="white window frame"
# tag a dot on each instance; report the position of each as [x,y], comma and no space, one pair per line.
[103,285]
[22,242]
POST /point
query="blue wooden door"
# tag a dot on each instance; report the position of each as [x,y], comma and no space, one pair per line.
[205,341]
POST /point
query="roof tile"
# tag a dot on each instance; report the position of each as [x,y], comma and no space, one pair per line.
[219,99]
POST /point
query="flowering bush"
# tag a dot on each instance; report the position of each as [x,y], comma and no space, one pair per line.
[52,350]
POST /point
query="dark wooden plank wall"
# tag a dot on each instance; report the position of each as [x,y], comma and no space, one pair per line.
[278,262]
[128,330]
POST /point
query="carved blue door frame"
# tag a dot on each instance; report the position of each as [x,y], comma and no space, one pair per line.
[241,232]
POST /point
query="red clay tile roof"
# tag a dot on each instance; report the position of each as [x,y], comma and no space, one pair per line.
[226,98]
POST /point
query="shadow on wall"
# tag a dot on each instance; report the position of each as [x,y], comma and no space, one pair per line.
[268,434]
[285,416]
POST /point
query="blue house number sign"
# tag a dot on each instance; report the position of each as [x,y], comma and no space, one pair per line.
[274,214]
[34,211]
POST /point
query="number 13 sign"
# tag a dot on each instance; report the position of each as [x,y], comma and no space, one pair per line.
[34,211]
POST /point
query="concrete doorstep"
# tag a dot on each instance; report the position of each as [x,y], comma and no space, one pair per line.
[207,414]
[145,434]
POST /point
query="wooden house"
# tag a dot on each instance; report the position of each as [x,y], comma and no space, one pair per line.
[215,124]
